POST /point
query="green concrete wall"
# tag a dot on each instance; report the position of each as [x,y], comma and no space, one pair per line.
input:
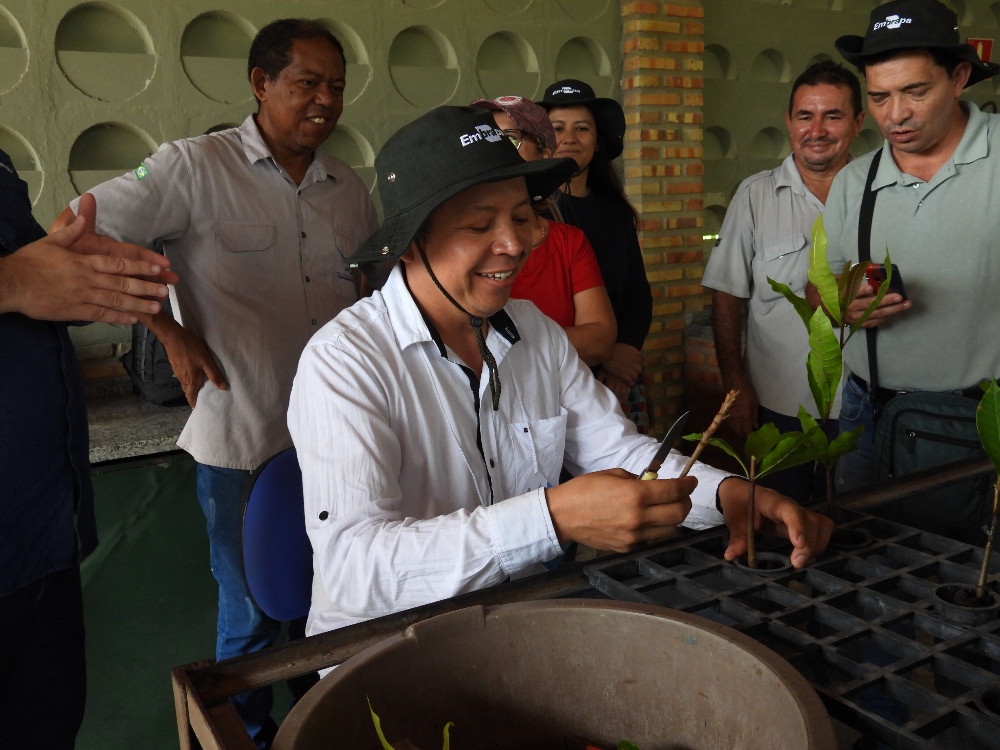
[88,89]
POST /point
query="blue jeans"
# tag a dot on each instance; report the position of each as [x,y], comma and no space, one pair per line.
[855,469]
[242,627]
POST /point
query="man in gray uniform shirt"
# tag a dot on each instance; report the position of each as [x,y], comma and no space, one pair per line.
[257,222]
[767,233]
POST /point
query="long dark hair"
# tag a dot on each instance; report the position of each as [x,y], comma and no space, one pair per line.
[602,177]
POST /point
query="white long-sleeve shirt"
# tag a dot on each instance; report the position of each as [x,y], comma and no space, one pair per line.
[415,489]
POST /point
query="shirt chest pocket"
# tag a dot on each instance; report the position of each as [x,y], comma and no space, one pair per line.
[787,261]
[537,450]
[246,255]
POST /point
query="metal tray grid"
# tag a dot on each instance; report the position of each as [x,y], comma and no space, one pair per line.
[859,625]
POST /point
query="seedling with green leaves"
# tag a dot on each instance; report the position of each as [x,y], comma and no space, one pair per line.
[766,450]
[988,427]
[825,363]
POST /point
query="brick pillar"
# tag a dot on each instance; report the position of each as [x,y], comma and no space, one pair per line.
[662,84]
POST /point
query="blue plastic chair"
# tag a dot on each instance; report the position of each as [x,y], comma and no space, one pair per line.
[277,554]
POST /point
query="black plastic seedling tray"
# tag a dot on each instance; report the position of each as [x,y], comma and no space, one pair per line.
[859,625]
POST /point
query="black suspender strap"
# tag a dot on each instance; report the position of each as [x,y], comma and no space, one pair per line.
[864,256]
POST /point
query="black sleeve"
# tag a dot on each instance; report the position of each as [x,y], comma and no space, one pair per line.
[636,311]
[17,226]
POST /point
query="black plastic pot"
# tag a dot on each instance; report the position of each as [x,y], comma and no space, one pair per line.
[768,564]
[955,602]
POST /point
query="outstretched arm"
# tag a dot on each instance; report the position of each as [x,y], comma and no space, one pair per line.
[76,274]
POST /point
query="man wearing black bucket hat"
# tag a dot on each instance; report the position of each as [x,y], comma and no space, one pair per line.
[937,210]
[432,419]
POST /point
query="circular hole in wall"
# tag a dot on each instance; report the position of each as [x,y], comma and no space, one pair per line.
[358,67]
[584,10]
[718,62]
[13,52]
[506,64]
[718,143]
[720,159]
[214,50]
[585,60]
[423,66]
[348,145]
[22,154]
[868,139]
[769,143]
[105,51]
[507,7]
[770,65]
[106,151]
[962,10]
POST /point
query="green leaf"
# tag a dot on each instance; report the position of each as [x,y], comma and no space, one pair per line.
[378,727]
[721,445]
[882,289]
[825,361]
[447,742]
[841,445]
[820,274]
[803,308]
[792,449]
[626,745]
[850,281]
[988,423]
[760,442]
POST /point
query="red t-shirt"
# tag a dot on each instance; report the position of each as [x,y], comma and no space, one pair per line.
[557,269]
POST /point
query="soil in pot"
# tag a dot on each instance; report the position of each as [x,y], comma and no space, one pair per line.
[958,602]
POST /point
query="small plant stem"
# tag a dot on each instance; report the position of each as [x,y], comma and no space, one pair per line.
[727,404]
[751,541]
[981,590]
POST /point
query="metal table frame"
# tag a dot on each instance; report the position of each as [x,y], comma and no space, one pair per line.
[206,719]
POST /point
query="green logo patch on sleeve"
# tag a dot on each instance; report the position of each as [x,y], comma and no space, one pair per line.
[141,171]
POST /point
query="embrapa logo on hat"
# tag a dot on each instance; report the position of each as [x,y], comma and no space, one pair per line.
[483,132]
[891,22]
[566,90]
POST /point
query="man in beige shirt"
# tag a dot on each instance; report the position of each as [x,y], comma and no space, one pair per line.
[258,223]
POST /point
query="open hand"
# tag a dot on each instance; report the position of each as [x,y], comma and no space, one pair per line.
[775,514]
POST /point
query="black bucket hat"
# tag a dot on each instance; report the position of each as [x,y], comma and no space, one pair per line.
[608,113]
[435,158]
[913,24]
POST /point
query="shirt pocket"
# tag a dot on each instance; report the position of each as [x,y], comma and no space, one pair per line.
[537,449]
[786,261]
[246,255]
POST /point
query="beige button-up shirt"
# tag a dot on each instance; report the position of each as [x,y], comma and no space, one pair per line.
[262,266]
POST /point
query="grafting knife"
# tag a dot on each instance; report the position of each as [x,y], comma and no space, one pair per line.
[673,434]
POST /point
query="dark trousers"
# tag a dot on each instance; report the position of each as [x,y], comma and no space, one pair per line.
[43,674]
[803,483]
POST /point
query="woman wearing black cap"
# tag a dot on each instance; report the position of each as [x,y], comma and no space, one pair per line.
[591,130]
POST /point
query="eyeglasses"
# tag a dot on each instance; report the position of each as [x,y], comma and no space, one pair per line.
[516,136]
